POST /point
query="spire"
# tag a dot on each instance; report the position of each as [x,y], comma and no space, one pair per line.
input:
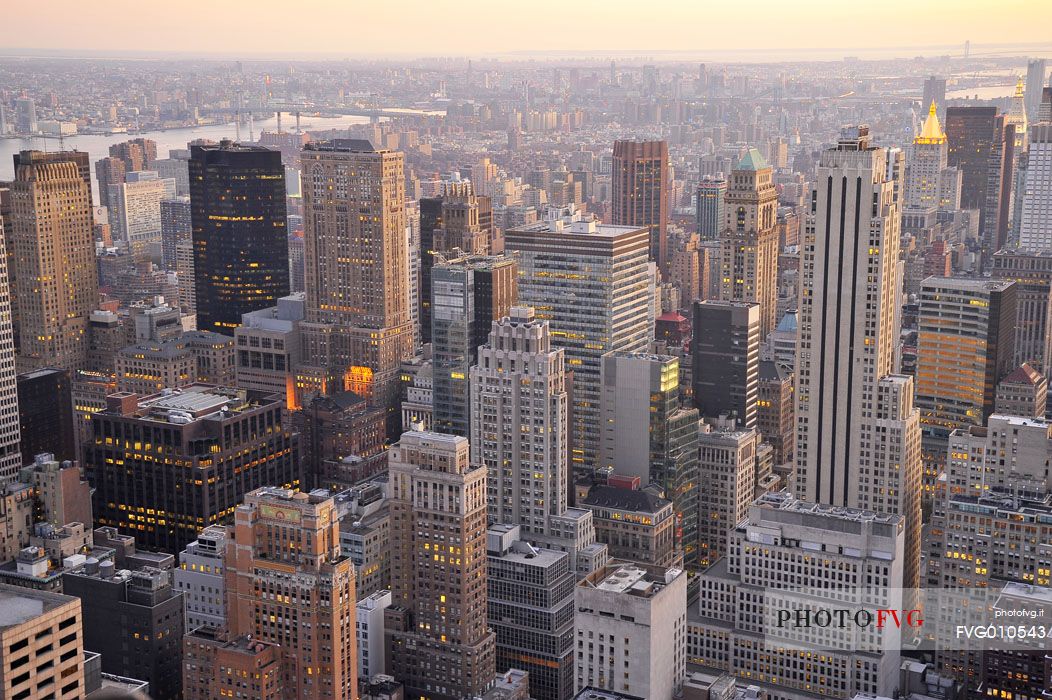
[1019,86]
[931,133]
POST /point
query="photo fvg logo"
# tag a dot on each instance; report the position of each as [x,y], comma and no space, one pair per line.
[802,618]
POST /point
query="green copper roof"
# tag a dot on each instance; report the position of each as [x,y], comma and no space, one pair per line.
[752,160]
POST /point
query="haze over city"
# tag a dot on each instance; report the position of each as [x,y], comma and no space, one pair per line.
[480,27]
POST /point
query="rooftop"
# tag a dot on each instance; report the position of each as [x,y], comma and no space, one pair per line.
[752,160]
[1023,374]
[625,499]
[20,605]
[630,578]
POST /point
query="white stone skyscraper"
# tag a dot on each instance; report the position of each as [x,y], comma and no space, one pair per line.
[930,182]
[1035,228]
[10,435]
[858,434]
[518,422]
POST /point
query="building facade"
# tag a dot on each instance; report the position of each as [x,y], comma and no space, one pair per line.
[240,243]
[441,644]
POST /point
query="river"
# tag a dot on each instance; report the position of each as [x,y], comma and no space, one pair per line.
[98,146]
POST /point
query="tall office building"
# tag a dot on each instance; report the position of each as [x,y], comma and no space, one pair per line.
[288,544]
[176,228]
[934,93]
[1035,83]
[468,294]
[978,147]
[201,578]
[592,283]
[775,409]
[441,644]
[135,213]
[632,630]
[725,350]
[1032,273]
[965,346]
[1035,222]
[640,192]
[26,115]
[930,182]
[531,610]
[727,468]
[712,192]
[357,268]
[109,171]
[217,445]
[430,221]
[241,258]
[520,379]
[10,417]
[134,619]
[56,286]
[45,414]
[457,218]
[749,239]
[858,434]
[137,154]
[647,433]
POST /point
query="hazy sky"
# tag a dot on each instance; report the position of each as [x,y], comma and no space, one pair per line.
[472,27]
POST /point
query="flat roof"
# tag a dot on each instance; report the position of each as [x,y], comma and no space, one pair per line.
[20,605]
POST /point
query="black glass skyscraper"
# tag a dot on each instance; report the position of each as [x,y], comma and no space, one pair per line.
[241,257]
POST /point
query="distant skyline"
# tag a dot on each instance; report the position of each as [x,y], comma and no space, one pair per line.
[362,28]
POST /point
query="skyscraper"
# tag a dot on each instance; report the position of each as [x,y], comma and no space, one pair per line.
[109,171]
[725,348]
[288,544]
[727,468]
[749,239]
[965,346]
[858,435]
[135,209]
[468,294]
[430,220]
[176,229]
[930,182]
[520,380]
[1032,273]
[137,154]
[457,219]
[56,286]
[592,282]
[441,644]
[1035,229]
[648,433]
[10,450]
[241,259]
[977,146]
[934,93]
[357,268]
[1035,82]
[640,195]
[531,610]
[712,192]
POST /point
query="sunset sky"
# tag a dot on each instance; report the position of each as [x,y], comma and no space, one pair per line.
[477,27]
